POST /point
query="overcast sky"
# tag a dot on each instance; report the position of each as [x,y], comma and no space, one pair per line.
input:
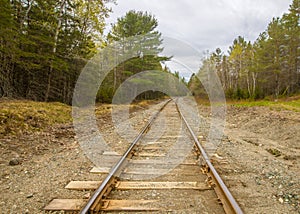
[207,24]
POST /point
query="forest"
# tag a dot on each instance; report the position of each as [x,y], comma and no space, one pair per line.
[44,45]
[268,67]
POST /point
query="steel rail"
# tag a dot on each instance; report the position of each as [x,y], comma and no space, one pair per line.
[100,191]
[229,203]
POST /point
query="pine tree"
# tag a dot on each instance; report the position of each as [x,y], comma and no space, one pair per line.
[8,48]
[45,44]
[136,35]
[291,46]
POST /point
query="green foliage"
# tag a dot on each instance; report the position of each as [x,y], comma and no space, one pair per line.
[142,26]
[105,94]
[268,67]
[44,44]
[134,23]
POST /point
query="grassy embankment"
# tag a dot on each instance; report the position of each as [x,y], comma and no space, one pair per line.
[22,116]
[291,103]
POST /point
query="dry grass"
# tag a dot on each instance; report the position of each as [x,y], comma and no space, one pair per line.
[19,116]
[284,104]
[290,103]
[23,116]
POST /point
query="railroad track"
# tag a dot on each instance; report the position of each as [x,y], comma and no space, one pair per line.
[156,174]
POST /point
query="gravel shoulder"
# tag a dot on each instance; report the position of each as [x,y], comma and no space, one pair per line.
[36,166]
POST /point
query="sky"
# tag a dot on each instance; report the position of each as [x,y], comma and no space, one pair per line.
[205,24]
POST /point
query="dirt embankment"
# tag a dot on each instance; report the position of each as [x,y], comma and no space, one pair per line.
[259,158]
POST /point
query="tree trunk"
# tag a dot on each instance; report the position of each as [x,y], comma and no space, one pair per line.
[25,19]
[248,84]
[254,77]
[277,88]
[54,50]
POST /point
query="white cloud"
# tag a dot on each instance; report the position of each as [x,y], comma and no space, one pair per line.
[207,24]
[193,20]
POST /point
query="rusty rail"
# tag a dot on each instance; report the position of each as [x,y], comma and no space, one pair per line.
[229,203]
[94,204]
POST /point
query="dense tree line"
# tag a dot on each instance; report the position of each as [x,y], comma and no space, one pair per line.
[45,44]
[270,66]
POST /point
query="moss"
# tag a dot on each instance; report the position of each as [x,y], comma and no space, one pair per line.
[274,152]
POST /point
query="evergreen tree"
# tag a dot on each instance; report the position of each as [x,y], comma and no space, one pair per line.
[269,66]
[45,44]
[291,47]
[137,35]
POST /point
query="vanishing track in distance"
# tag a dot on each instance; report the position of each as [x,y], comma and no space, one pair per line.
[159,173]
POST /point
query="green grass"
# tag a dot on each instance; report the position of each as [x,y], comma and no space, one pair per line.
[17,117]
[288,104]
